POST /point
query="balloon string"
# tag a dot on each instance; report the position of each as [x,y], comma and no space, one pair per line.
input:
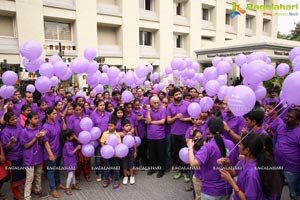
[281,102]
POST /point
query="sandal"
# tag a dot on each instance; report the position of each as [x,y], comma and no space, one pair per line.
[116,184]
[188,188]
[105,183]
[68,191]
[75,187]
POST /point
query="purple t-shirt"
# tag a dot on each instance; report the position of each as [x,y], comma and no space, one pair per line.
[69,157]
[189,134]
[144,101]
[73,123]
[269,100]
[275,124]
[207,156]
[33,155]
[236,123]
[58,98]
[249,180]
[17,107]
[154,131]
[49,99]
[141,127]
[261,130]
[287,148]
[53,138]
[114,103]
[100,120]
[17,151]
[133,119]
[179,127]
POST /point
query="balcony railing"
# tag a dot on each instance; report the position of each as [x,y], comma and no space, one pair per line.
[66,4]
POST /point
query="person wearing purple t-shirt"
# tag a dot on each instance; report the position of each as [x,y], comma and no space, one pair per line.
[49,97]
[140,95]
[131,116]
[254,121]
[179,120]
[156,118]
[11,139]
[116,98]
[253,182]
[118,116]
[194,94]
[69,158]
[41,111]
[272,119]
[33,156]
[272,98]
[287,151]
[28,100]
[100,119]
[233,126]
[60,94]
[196,126]
[213,187]
[7,107]
[52,153]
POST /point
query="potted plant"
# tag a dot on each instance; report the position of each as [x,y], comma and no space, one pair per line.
[63,47]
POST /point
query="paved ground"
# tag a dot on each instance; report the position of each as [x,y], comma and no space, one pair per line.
[146,188]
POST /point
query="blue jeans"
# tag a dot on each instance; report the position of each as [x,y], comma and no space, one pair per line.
[112,164]
[293,181]
[168,161]
[98,160]
[53,174]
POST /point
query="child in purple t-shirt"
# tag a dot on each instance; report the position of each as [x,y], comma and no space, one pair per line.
[69,158]
[128,161]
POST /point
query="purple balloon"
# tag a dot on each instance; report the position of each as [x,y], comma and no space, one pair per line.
[184,155]
[256,71]
[223,67]
[79,65]
[240,60]
[147,83]
[176,74]
[54,81]
[88,150]
[194,110]
[141,71]
[46,69]
[107,151]
[95,133]
[95,143]
[228,59]
[129,141]
[270,72]
[216,60]
[98,89]
[268,61]
[30,88]
[112,73]
[60,68]
[43,84]
[206,104]
[168,70]
[222,92]
[86,123]
[241,99]
[121,150]
[260,93]
[32,65]
[296,64]
[138,141]
[92,79]
[7,91]
[282,69]
[67,75]
[104,80]
[212,87]
[112,140]
[294,53]
[55,58]
[170,81]
[105,68]
[9,78]
[93,68]
[32,50]
[222,79]
[257,56]
[127,96]
[89,54]
[176,63]
[84,137]
[129,78]
[195,66]
[291,88]
[210,73]
[149,68]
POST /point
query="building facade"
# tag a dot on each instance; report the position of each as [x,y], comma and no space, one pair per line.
[127,33]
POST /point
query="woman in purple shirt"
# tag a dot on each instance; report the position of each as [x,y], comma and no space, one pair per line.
[118,116]
[7,106]
[213,187]
[11,139]
[52,153]
[256,179]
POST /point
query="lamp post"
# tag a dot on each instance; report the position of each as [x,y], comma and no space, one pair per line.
[60,53]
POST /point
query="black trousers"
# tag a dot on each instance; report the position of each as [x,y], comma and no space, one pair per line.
[157,153]
[142,152]
[177,142]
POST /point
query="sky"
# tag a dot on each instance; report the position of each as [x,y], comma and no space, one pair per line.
[286,23]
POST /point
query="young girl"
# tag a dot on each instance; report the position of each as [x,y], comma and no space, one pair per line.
[11,139]
[33,155]
[118,116]
[109,107]
[52,153]
[131,117]
[25,110]
[59,109]
[69,159]
[7,106]
[41,111]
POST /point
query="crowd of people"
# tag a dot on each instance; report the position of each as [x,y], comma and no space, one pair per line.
[249,157]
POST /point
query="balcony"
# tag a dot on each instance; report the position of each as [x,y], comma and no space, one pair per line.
[52,48]
[65,4]
[230,29]
[148,15]
[110,50]
[180,52]
[9,45]
[250,32]
[208,25]
[180,20]
[109,9]
[148,52]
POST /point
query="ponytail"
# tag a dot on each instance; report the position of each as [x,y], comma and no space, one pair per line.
[221,145]
[216,127]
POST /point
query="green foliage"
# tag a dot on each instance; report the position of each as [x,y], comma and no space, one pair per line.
[294,35]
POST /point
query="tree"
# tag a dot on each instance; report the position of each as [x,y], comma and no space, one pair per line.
[295,33]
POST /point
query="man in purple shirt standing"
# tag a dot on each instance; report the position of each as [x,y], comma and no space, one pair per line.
[156,117]
[179,120]
[233,126]
[140,95]
[28,100]
[287,151]
[60,94]
[116,98]
[254,121]
[272,98]
[195,96]
[49,97]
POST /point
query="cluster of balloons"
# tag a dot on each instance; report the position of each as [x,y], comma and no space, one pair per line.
[113,147]
[88,137]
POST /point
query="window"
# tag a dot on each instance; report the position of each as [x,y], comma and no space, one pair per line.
[7,26]
[266,26]
[179,9]
[145,38]
[205,14]
[248,23]
[179,41]
[227,19]
[57,31]
[145,4]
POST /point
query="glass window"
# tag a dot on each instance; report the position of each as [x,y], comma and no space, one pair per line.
[145,38]
[205,14]
[179,41]
[145,4]
[179,9]
[227,19]
[6,26]
[58,31]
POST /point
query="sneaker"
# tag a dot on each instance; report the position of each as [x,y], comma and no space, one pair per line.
[150,172]
[99,179]
[160,174]
[125,180]
[178,176]
[132,180]
[186,178]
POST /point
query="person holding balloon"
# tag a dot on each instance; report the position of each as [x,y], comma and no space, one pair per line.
[128,161]
[118,116]
[69,158]
[7,107]
[112,162]
[52,153]
[254,121]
